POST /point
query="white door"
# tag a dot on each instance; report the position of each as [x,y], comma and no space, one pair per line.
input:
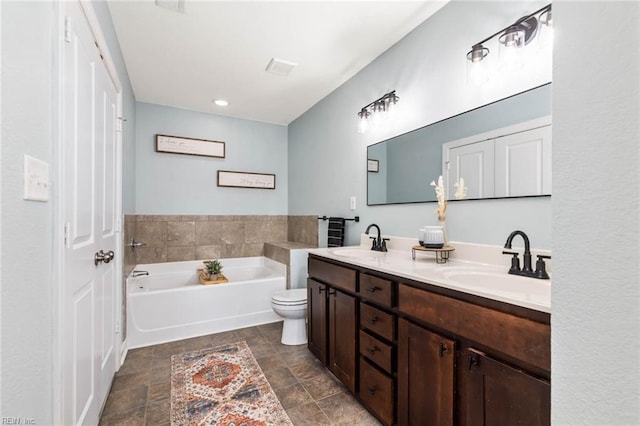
[88,330]
[523,163]
[474,163]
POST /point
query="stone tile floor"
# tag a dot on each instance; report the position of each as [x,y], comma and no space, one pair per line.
[311,395]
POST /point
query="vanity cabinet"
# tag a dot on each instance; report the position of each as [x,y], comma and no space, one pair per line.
[418,354]
[426,372]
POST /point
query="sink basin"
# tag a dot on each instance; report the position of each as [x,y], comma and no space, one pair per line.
[357,253]
[501,283]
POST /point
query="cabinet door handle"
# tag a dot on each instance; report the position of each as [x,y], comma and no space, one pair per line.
[372,350]
[373,320]
[371,390]
[372,289]
[321,289]
[442,349]
[471,361]
[331,291]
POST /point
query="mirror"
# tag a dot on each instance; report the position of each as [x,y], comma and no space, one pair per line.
[400,169]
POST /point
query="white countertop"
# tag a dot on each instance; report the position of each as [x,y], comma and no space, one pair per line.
[481,279]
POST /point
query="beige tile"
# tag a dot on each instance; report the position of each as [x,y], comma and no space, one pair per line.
[134,417]
[126,400]
[135,365]
[153,234]
[219,232]
[210,252]
[159,391]
[303,230]
[146,255]
[293,396]
[160,375]
[340,407]
[131,380]
[139,353]
[158,412]
[280,377]
[322,386]
[270,362]
[224,338]
[179,254]
[197,343]
[307,414]
[247,332]
[181,234]
[307,369]
[361,419]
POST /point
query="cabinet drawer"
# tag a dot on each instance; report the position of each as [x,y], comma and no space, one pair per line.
[377,321]
[376,289]
[335,275]
[376,391]
[521,338]
[375,350]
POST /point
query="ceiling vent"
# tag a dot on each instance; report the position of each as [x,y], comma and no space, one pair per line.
[280,67]
[173,5]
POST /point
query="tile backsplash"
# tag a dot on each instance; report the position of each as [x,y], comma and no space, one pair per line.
[171,238]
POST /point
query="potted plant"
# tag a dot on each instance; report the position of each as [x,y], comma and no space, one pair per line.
[213,268]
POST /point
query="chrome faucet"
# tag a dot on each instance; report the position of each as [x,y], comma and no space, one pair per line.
[526,270]
[379,243]
[139,273]
[133,243]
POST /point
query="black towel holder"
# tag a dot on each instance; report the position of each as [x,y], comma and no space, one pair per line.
[355,219]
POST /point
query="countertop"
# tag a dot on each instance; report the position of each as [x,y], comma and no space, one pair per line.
[480,279]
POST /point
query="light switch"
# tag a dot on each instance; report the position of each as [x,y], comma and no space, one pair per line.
[352,202]
[36,179]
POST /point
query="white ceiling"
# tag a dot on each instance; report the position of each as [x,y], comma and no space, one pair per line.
[219,49]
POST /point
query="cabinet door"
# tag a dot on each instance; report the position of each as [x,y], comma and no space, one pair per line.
[342,337]
[317,319]
[495,394]
[425,376]
[473,162]
[523,163]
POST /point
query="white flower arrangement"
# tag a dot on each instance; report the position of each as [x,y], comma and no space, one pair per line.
[441,197]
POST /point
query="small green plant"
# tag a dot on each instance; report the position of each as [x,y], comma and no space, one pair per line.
[213,267]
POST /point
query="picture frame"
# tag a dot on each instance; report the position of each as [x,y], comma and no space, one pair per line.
[228,178]
[189,146]
[373,166]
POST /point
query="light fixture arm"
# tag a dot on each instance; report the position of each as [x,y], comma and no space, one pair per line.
[524,18]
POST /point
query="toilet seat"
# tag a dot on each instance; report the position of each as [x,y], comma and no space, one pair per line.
[292,297]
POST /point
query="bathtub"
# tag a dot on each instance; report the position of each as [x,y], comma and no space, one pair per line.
[170,304]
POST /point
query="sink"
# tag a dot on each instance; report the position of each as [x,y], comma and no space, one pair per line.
[501,283]
[357,253]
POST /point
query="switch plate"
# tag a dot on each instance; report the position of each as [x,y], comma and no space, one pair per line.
[36,179]
[352,202]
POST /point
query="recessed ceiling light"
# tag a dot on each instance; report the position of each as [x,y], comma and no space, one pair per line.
[221,102]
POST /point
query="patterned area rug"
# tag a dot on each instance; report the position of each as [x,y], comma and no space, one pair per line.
[222,386]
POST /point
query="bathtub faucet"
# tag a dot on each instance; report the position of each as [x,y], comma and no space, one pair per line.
[139,273]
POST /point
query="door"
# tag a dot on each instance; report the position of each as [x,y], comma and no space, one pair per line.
[342,337]
[88,288]
[496,394]
[317,323]
[425,376]
[523,163]
[473,163]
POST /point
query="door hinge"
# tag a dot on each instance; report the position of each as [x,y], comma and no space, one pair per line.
[118,327]
[67,29]
[67,236]
[448,165]
[118,225]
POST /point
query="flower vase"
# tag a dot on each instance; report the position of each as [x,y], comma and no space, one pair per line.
[444,232]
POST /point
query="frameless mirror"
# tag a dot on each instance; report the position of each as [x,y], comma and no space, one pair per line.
[400,169]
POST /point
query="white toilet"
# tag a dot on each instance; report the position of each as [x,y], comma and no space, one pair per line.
[292,306]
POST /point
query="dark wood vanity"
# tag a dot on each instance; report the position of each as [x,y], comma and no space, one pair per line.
[420,354]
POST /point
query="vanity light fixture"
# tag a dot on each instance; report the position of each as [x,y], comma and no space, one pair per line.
[516,35]
[376,109]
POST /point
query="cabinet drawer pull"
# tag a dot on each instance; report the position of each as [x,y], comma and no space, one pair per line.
[373,289]
[373,320]
[471,361]
[372,350]
[371,390]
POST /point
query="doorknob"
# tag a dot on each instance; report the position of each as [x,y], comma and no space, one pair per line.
[101,256]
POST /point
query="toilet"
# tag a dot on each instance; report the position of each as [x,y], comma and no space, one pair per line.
[292,306]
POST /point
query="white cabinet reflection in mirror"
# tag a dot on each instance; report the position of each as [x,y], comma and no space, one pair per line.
[509,162]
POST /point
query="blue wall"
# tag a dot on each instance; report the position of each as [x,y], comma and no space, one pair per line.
[327,157]
[186,184]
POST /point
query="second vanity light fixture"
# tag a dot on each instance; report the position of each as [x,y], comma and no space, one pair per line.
[375,109]
[514,36]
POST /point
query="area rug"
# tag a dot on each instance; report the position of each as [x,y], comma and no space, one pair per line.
[222,386]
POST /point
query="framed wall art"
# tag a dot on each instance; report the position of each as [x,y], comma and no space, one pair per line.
[189,146]
[373,166]
[246,179]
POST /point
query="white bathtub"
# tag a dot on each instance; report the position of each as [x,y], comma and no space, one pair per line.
[170,304]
